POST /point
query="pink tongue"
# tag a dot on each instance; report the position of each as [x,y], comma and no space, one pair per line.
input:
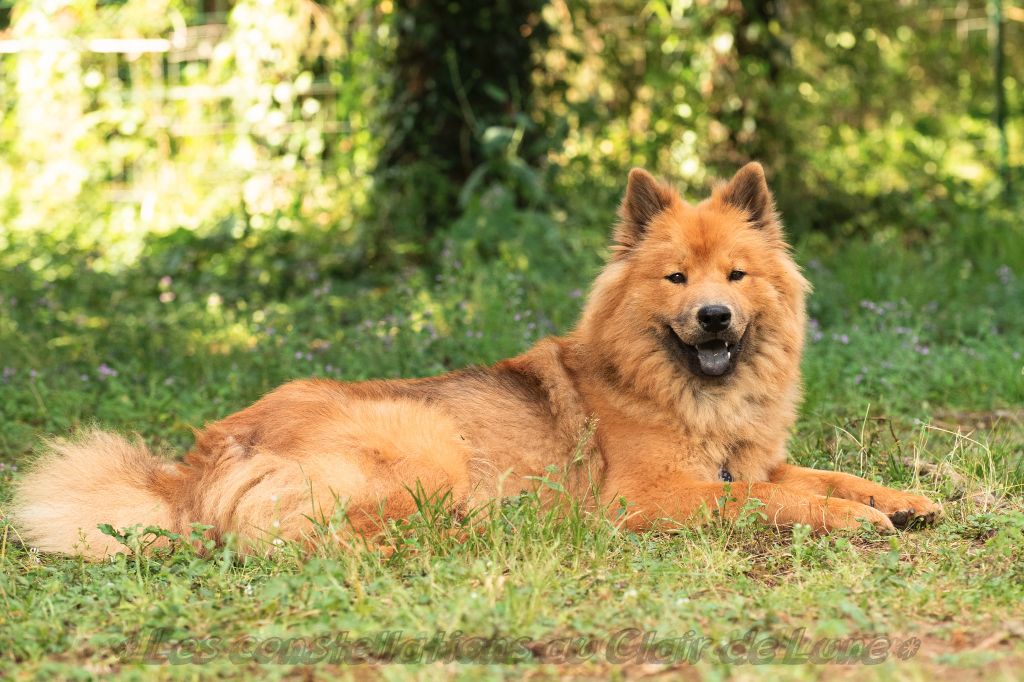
[713,358]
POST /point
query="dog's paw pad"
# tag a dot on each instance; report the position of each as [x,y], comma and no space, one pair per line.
[909,518]
[901,519]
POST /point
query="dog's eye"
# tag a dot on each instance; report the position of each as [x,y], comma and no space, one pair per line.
[676,278]
[736,275]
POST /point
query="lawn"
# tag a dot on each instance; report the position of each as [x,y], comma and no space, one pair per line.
[913,377]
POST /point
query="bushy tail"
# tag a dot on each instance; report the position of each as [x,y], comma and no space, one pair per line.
[92,479]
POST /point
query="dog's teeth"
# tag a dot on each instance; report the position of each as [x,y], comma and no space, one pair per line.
[728,355]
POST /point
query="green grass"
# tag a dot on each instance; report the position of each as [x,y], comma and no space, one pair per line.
[913,377]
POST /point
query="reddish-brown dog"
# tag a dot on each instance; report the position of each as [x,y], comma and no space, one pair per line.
[675,392]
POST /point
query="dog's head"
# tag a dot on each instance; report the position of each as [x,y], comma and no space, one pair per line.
[704,286]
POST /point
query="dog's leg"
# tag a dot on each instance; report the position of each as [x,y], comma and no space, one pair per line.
[902,508]
[681,500]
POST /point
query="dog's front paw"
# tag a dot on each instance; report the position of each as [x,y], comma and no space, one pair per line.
[907,510]
[839,514]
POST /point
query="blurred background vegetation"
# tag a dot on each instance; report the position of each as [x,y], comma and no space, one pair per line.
[335,135]
[181,179]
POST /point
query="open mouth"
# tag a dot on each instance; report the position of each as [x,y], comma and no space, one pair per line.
[713,357]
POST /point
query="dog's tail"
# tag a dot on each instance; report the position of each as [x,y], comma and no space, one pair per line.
[95,478]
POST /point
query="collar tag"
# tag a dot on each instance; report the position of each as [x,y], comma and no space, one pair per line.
[725,475]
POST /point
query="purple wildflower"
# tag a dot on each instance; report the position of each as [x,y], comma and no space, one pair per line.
[815,328]
[872,306]
[1005,274]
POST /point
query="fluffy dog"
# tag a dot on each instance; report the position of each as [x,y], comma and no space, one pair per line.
[675,393]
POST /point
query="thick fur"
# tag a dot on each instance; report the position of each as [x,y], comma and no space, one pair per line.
[77,485]
[622,405]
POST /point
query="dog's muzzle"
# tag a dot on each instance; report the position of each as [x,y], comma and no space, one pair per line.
[711,355]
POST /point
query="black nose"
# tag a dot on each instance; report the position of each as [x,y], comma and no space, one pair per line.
[714,318]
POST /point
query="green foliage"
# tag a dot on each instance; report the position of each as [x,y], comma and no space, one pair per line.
[259,131]
[357,127]
[862,111]
[461,98]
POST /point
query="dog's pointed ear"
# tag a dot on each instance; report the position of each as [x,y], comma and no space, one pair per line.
[645,198]
[748,191]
